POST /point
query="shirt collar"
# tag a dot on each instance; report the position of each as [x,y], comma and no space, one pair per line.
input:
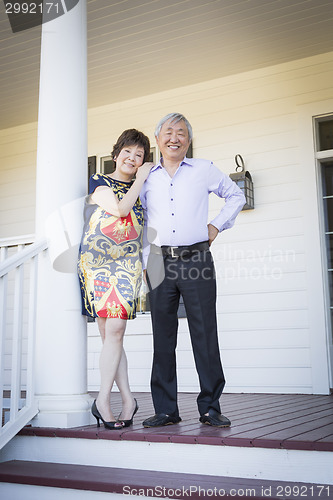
[185,161]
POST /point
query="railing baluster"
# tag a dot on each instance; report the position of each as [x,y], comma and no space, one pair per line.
[3,305]
[3,324]
[31,329]
[17,343]
[3,253]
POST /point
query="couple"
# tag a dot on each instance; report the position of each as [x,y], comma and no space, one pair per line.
[170,200]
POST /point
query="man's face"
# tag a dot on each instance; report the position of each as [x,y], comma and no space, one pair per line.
[173,140]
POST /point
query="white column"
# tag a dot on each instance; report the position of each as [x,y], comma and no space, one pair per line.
[61,367]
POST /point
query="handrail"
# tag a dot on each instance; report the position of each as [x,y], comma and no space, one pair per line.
[14,241]
[19,412]
[18,259]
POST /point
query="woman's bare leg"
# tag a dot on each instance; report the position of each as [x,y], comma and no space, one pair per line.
[112,332]
[128,403]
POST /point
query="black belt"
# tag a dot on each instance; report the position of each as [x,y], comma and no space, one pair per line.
[181,251]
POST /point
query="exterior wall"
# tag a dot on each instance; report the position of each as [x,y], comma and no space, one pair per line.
[270,293]
[18,150]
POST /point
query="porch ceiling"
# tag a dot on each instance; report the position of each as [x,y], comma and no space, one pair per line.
[139,47]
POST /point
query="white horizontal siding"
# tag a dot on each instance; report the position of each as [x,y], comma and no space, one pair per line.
[263,302]
[272,338]
[18,150]
[17,212]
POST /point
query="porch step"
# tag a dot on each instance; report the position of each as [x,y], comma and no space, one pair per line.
[152,483]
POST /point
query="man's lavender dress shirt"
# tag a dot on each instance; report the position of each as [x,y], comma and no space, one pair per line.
[176,208]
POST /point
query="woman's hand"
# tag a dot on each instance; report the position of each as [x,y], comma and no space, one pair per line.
[143,171]
[105,197]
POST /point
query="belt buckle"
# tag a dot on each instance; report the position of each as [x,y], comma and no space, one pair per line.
[173,255]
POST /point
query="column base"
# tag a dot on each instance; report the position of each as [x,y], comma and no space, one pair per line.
[63,411]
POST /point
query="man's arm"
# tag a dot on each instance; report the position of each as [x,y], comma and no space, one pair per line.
[221,184]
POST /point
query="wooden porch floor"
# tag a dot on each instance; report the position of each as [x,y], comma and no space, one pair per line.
[288,421]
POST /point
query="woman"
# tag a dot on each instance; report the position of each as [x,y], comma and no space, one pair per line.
[110,267]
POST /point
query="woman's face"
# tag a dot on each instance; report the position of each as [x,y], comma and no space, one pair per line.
[129,160]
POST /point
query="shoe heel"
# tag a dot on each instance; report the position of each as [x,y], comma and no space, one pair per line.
[98,416]
[129,422]
[95,413]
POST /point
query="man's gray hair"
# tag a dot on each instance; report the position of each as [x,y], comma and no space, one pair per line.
[174,118]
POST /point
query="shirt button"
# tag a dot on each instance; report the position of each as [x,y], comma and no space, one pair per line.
[172,214]
[173,231]
[171,199]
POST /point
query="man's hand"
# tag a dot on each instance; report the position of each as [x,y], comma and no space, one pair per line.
[212,233]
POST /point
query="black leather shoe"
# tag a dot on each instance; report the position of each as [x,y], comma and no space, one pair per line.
[215,419]
[160,419]
[108,425]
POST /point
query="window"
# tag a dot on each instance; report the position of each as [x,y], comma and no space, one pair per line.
[107,165]
[324,147]
[143,302]
[325,134]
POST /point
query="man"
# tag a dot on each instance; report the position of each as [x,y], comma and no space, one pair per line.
[175,202]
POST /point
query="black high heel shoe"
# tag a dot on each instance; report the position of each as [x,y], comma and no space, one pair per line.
[108,425]
[127,423]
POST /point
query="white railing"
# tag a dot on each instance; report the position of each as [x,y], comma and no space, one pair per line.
[18,292]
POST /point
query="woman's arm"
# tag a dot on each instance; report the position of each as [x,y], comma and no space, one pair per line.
[105,197]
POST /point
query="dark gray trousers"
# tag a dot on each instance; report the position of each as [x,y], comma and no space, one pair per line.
[194,278]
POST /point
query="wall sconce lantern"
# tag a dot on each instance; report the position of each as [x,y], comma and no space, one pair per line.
[243,180]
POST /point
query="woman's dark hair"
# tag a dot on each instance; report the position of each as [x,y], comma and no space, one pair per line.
[132,137]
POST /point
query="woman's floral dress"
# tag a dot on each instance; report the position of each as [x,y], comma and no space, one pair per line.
[109,267]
